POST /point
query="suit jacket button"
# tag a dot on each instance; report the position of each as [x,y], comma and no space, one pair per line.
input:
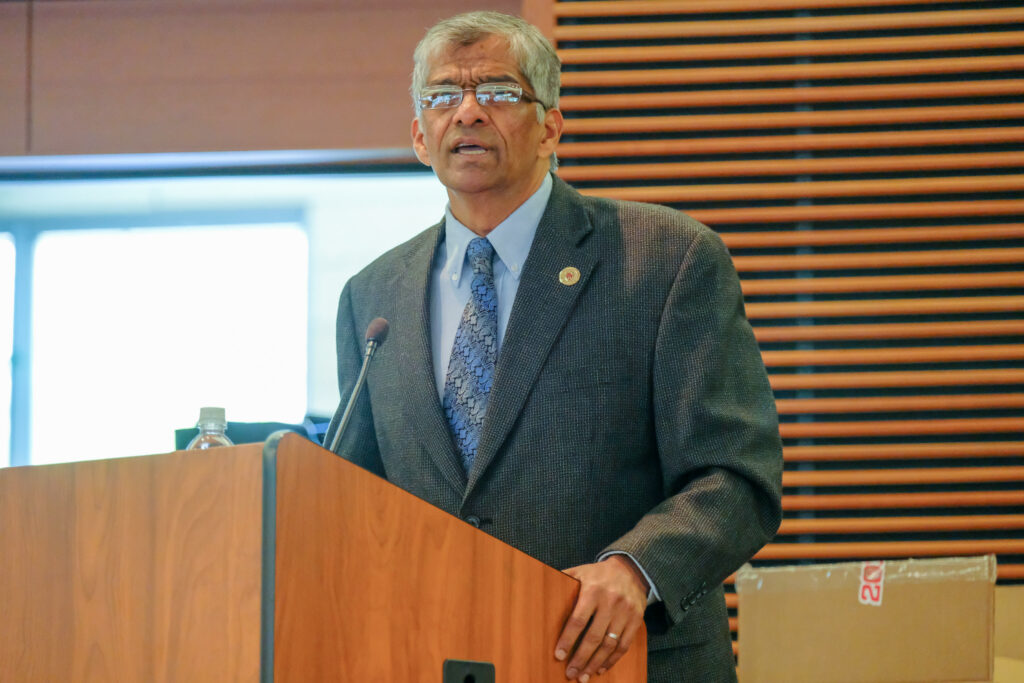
[473,520]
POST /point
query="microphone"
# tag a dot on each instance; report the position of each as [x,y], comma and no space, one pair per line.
[376,333]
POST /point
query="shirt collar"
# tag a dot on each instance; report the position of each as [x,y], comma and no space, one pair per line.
[511,238]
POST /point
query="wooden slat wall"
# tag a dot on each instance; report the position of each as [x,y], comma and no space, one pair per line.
[864,161]
[116,77]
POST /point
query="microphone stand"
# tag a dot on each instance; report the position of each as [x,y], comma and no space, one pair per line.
[375,334]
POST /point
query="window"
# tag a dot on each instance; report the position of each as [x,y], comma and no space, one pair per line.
[113,287]
[134,329]
[6,343]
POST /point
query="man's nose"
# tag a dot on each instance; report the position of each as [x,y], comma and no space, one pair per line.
[469,110]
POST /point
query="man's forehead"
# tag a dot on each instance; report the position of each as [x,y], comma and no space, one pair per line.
[488,59]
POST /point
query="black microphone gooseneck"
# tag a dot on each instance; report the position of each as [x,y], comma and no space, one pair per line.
[376,332]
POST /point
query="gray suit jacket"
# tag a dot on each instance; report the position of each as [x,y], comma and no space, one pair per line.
[629,411]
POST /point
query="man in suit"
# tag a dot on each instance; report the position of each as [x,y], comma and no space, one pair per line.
[574,376]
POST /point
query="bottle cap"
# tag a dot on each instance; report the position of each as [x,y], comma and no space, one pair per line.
[214,415]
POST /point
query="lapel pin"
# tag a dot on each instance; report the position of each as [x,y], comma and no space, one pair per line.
[569,276]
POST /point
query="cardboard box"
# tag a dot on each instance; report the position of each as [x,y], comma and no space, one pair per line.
[1009,634]
[907,621]
[1009,670]
[1010,622]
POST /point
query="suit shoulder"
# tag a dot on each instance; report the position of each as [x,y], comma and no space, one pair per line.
[659,218]
[385,265]
[652,227]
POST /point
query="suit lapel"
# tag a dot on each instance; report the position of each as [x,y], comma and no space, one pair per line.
[542,307]
[422,407]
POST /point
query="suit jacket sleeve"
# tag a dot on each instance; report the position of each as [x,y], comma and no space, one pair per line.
[717,436]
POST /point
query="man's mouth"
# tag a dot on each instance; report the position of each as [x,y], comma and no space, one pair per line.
[469,149]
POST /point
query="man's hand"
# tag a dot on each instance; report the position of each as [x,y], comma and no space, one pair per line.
[613,597]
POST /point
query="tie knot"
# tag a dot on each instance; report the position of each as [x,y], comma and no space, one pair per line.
[480,252]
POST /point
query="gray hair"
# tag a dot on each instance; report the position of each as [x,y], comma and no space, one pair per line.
[532,52]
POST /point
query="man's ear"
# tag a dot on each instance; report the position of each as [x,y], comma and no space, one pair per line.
[419,144]
[553,124]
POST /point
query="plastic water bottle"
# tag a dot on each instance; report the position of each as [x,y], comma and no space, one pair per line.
[212,425]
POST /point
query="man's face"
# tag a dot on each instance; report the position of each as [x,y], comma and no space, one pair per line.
[475,149]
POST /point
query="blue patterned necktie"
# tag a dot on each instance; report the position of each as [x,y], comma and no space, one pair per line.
[471,368]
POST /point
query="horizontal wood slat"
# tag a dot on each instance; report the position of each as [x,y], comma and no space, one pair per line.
[946,233]
[818,188]
[894,379]
[866,331]
[788,25]
[967,137]
[885,356]
[617,8]
[1010,571]
[879,549]
[761,167]
[880,428]
[776,96]
[903,451]
[791,72]
[883,283]
[898,404]
[805,502]
[899,525]
[859,212]
[876,307]
[865,261]
[794,48]
[795,119]
[936,475]
[822,188]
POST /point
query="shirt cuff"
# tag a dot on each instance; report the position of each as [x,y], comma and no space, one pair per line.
[652,594]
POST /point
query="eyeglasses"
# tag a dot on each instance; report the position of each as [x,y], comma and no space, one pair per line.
[487,95]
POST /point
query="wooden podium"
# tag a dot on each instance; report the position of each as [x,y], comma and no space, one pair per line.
[264,562]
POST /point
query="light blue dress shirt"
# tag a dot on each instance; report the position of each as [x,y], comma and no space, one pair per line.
[450,282]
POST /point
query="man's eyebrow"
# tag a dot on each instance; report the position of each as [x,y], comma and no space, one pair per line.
[502,78]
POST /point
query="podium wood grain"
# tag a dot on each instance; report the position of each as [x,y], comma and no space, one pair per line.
[133,569]
[149,569]
[374,586]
